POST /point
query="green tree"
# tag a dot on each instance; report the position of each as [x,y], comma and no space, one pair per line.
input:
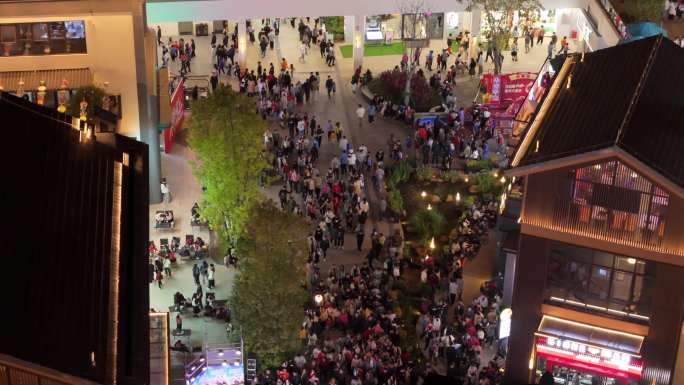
[226,135]
[427,224]
[93,96]
[644,10]
[498,14]
[268,296]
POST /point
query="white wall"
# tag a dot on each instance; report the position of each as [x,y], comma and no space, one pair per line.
[110,56]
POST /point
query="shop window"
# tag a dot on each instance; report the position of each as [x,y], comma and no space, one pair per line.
[598,281]
[43,38]
[609,200]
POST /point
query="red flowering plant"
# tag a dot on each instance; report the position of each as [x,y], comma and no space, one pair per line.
[391,85]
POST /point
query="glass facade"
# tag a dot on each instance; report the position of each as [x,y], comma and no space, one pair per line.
[598,281]
[43,38]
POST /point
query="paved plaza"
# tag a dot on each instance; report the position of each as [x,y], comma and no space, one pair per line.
[186,191]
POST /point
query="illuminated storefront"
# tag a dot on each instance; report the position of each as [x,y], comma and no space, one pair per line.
[577,353]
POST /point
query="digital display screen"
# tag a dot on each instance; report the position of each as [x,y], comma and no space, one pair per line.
[374,35]
[75,29]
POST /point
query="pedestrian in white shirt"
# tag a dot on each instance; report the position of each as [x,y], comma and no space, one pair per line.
[166,193]
[360,113]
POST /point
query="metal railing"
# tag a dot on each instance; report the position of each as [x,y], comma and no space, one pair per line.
[14,371]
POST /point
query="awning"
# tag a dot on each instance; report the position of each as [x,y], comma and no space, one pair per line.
[76,78]
[579,332]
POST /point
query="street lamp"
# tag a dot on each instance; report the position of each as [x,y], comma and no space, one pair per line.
[458,197]
[423,194]
[318,298]
[429,206]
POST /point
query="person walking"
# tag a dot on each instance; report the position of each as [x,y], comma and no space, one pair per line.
[330,86]
[167,267]
[166,192]
[211,272]
[359,236]
[159,35]
[179,322]
[196,274]
[159,278]
[360,113]
[204,271]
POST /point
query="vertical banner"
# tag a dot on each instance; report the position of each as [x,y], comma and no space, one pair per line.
[177,115]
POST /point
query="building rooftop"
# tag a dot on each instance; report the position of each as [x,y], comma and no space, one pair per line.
[629,97]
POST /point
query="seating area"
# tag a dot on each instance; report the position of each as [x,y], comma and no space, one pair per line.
[164,220]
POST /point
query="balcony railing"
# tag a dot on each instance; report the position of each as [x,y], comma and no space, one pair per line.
[18,372]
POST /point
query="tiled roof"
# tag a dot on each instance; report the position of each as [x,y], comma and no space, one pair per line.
[630,96]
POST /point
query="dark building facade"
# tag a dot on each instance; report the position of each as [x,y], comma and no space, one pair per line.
[73,240]
[599,274]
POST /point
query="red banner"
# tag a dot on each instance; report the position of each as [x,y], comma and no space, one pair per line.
[177,105]
[507,89]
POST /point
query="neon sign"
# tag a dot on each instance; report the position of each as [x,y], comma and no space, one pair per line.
[594,355]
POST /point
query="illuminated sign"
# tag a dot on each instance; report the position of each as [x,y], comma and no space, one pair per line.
[505,323]
[590,354]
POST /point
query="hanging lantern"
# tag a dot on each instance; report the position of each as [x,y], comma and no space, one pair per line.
[84,106]
[61,96]
[40,95]
[20,89]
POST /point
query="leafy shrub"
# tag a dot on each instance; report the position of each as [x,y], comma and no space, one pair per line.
[451,176]
[93,96]
[425,173]
[334,25]
[478,165]
[487,185]
[398,173]
[391,85]
[427,224]
[394,201]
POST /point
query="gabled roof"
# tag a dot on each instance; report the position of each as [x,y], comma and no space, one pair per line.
[629,97]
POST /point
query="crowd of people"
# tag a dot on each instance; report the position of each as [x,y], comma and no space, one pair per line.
[354,332]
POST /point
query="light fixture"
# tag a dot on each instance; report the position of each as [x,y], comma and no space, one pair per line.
[20,90]
[466,179]
[567,86]
[423,194]
[631,261]
[220,352]
[318,298]
[496,174]
[201,359]
[536,148]
[40,95]
[502,180]
[582,60]
[224,363]
[236,363]
[192,369]
[237,352]
[204,369]
[458,197]
[429,206]
[427,257]
[510,186]
[61,96]
[358,41]
[432,243]
[84,112]
[634,175]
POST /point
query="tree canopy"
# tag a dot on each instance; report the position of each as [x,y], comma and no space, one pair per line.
[643,10]
[498,14]
[226,135]
[267,293]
